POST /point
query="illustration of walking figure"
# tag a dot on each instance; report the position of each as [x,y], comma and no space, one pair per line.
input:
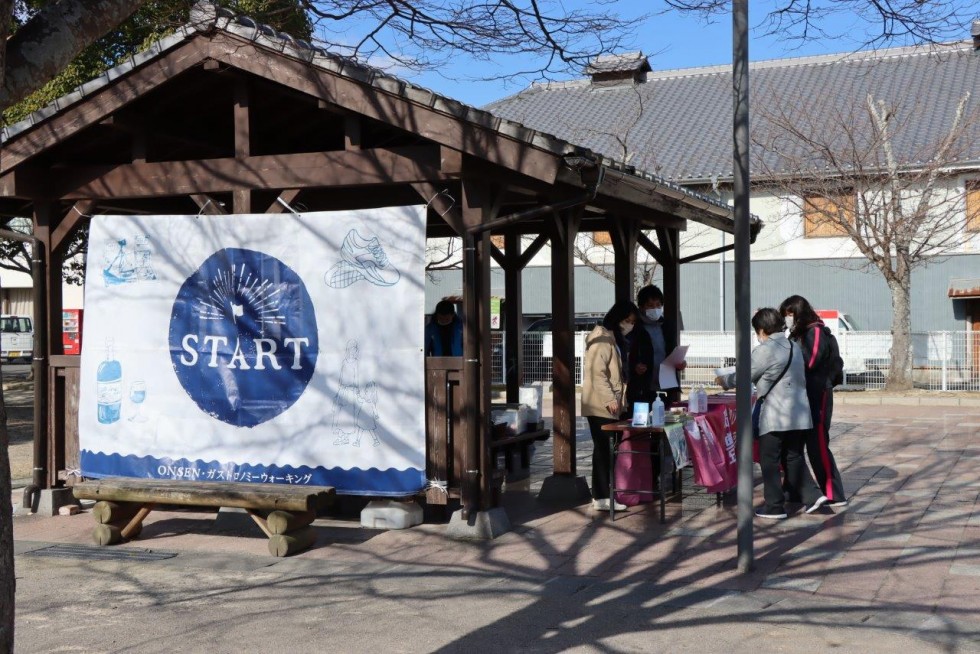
[367,415]
[346,399]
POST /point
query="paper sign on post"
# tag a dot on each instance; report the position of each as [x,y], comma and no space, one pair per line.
[668,369]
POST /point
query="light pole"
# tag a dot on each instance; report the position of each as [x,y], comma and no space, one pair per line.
[743,337]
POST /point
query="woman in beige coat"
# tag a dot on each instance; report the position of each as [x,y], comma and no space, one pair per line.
[603,389]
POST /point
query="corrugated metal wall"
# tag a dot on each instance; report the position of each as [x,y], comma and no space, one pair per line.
[828,284]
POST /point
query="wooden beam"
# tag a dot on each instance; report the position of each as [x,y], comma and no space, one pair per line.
[241,119]
[498,256]
[442,203]
[352,132]
[208,205]
[103,102]
[306,170]
[81,209]
[422,117]
[241,201]
[654,251]
[288,196]
[532,249]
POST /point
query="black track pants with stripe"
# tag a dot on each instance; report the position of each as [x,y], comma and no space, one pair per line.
[818,445]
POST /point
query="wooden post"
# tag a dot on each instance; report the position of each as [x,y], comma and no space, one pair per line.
[483,258]
[672,276]
[624,233]
[565,229]
[242,197]
[514,316]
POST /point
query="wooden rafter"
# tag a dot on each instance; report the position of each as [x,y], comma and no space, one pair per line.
[306,170]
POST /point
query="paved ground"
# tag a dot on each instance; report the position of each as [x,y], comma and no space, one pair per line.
[896,571]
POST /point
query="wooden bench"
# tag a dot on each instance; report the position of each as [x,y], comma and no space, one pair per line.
[521,443]
[283,512]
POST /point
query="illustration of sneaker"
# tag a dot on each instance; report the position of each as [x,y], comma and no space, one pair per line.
[368,257]
[342,275]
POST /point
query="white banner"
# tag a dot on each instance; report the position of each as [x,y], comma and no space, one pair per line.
[257,348]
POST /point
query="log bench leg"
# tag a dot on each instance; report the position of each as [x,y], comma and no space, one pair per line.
[119,522]
[288,532]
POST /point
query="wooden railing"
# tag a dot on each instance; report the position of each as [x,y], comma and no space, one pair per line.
[444,442]
[444,449]
[63,388]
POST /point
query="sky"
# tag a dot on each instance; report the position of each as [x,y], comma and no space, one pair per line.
[672,40]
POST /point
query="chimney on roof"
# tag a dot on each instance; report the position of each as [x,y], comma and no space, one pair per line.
[629,67]
[975,33]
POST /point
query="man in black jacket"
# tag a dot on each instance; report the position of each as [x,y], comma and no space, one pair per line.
[654,338]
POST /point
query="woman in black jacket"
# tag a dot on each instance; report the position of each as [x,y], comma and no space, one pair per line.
[814,338]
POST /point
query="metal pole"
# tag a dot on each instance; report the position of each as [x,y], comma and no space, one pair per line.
[945,381]
[721,286]
[470,479]
[743,336]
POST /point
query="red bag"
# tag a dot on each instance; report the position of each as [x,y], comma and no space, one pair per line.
[634,470]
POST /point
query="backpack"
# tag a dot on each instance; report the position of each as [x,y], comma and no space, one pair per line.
[835,364]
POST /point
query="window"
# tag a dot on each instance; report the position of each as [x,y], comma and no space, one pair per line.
[821,214]
[973,205]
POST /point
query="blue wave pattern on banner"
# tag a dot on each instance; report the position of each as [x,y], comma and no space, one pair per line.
[243,337]
[346,481]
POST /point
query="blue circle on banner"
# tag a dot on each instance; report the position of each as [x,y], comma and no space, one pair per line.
[243,337]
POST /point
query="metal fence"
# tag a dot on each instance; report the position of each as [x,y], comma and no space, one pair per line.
[942,361]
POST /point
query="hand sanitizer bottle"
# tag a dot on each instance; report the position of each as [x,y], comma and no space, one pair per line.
[702,400]
[657,416]
[692,400]
[109,387]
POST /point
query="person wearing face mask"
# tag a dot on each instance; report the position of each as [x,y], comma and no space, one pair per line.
[778,373]
[603,386]
[654,338]
[814,339]
[444,333]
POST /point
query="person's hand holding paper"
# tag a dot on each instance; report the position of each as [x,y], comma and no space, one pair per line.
[675,361]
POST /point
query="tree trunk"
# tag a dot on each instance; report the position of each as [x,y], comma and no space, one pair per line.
[900,370]
[42,48]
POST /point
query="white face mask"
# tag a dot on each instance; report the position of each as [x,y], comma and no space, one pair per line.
[789,322]
[625,327]
[655,314]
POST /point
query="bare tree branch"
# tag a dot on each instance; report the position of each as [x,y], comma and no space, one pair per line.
[857,172]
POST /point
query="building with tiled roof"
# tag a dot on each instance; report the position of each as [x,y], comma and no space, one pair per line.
[678,125]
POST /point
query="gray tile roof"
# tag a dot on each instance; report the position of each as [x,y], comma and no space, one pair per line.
[679,123]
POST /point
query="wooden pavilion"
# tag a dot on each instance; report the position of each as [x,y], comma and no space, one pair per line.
[228,116]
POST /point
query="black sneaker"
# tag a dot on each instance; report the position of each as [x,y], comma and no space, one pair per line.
[770,515]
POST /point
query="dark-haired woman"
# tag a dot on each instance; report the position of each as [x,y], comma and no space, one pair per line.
[603,387]
[806,328]
[784,417]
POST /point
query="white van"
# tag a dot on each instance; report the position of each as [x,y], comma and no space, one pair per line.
[16,338]
[838,321]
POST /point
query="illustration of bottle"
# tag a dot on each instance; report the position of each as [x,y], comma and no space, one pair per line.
[109,388]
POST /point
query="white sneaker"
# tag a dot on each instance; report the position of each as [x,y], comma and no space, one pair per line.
[603,505]
[816,505]
[839,504]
